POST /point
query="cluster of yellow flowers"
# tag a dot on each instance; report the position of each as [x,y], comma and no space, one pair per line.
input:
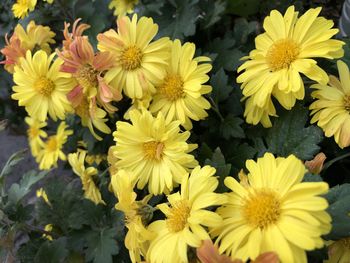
[270,214]
[273,69]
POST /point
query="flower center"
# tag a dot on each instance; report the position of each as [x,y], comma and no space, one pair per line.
[172,87]
[262,208]
[153,150]
[131,58]
[33,132]
[177,218]
[44,86]
[347,102]
[52,144]
[282,53]
[87,77]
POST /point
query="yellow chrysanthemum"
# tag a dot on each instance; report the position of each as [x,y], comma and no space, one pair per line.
[155,152]
[49,1]
[275,212]
[52,149]
[331,109]
[283,52]
[186,218]
[123,7]
[48,228]
[35,135]
[21,7]
[41,87]
[91,192]
[35,37]
[180,94]
[137,214]
[339,251]
[140,64]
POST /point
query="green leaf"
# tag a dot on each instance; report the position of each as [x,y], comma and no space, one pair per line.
[102,245]
[221,90]
[222,168]
[231,127]
[243,29]
[18,191]
[52,251]
[213,12]
[339,209]
[290,136]
[12,161]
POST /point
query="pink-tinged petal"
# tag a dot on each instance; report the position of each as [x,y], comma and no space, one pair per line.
[208,253]
[76,31]
[82,50]
[105,93]
[103,61]
[75,96]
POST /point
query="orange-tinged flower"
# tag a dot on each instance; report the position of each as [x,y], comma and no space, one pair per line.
[77,31]
[315,165]
[12,52]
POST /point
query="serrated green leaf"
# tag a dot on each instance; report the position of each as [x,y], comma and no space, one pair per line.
[231,127]
[18,191]
[213,12]
[220,90]
[52,251]
[102,245]
[339,209]
[243,29]
[243,7]
[290,136]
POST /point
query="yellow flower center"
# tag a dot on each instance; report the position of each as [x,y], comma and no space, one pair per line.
[262,208]
[282,53]
[172,87]
[44,86]
[52,144]
[33,132]
[347,102]
[131,58]
[87,77]
[153,150]
[177,218]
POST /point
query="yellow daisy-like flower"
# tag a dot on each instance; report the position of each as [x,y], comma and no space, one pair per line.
[91,192]
[21,7]
[52,149]
[339,251]
[137,214]
[155,152]
[35,37]
[180,95]
[35,135]
[283,52]
[331,110]
[186,218]
[275,212]
[41,193]
[41,87]
[123,7]
[140,64]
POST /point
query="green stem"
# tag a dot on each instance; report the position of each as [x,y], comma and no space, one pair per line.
[331,162]
[215,108]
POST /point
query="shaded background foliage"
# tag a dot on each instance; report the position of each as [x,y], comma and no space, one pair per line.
[222,30]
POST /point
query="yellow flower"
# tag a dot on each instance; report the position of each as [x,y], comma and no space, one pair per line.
[41,193]
[35,37]
[155,152]
[49,1]
[331,109]
[283,52]
[21,7]
[41,87]
[276,212]
[186,217]
[52,149]
[91,192]
[123,7]
[139,64]
[339,251]
[48,228]
[35,135]
[137,214]
[180,94]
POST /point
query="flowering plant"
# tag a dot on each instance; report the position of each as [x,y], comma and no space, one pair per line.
[176,131]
